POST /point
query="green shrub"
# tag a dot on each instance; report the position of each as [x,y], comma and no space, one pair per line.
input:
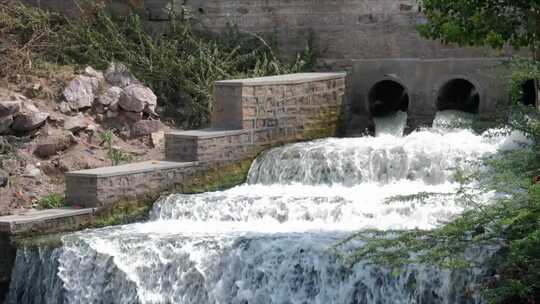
[51,201]
[116,156]
[180,64]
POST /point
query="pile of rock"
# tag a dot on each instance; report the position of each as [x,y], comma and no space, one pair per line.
[116,93]
[18,114]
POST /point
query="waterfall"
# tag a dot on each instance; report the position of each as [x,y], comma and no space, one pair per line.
[270,240]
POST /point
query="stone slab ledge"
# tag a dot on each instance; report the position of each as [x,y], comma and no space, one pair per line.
[282,79]
[133,168]
[206,133]
[19,223]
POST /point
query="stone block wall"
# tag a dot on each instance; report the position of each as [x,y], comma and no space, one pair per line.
[339,30]
[123,182]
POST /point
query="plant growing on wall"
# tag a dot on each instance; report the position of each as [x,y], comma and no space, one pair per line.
[115,155]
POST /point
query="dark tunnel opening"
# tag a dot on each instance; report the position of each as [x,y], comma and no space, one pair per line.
[458,94]
[387,97]
[528,93]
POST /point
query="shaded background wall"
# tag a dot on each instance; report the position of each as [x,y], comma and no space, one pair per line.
[340,29]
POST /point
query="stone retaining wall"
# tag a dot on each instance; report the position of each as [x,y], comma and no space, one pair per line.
[249,116]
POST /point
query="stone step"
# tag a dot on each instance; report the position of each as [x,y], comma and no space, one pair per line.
[41,221]
[104,186]
[215,145]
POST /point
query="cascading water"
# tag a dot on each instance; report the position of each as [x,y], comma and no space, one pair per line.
[269,240]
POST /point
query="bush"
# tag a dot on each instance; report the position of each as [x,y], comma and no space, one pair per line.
[180,64]
[51,201]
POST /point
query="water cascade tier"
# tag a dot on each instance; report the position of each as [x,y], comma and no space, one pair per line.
[271,240]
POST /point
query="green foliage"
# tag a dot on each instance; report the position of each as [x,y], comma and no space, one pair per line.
[483,22]
[51,201]
[180,64]
[116,156]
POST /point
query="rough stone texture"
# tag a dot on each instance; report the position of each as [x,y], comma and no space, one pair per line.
[29,119]
[76,123]
[80,92]
[145,127]
[10,107]
[137,97]
[119,75]
[423,80]
[51,145]
[5,124]
[111,96]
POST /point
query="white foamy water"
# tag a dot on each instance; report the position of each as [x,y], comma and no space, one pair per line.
[392,124]
[269,240]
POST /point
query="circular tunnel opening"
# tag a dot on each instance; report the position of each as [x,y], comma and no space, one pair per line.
[528,93]
[459,94]
[387,97]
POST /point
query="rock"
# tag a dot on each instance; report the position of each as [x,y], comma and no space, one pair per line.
[92,128]
[111,96]
[10,107]
[5,124]
[136,98]
[10,165]
[131,117]
[76,123]
[80,92]
[51,145]
[31,171]
[99,108]
[4,178]
[30,118]
[119,75]
[145,127]
[64,107]
[111,114]
[91,72]
[157,138]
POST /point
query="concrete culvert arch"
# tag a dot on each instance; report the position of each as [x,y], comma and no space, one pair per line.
[387,97]
[458,94]
[529,93]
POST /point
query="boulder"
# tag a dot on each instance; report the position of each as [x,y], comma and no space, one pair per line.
[157,138]
[64,107]
[51,145]
[80,92]
[131,117]
[145,127]
[30,118]
[10,107]
[111,97]
[136,98]
[119,75]
[31,171]
[76,123]
[5,124]
[91,72]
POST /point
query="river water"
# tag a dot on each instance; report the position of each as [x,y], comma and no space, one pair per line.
[270,240]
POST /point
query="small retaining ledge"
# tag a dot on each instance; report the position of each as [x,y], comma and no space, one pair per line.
[43,221]
[104,186]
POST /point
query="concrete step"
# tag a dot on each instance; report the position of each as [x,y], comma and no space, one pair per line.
[104,186]
[45,220]
[215,145]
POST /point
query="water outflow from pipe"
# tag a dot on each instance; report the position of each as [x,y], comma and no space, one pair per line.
[268,241]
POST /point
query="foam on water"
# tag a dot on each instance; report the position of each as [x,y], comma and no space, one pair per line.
[269,240]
